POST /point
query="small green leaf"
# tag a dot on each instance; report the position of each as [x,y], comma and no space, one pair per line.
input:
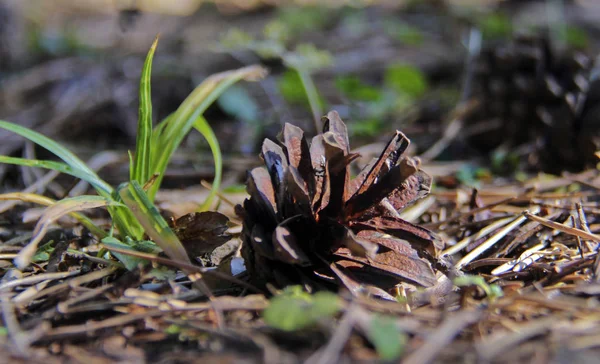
[296,291]
[324,304]
[299,19]
[130,262]
[406,79]
[295,310]
[287,313]
[495,25]
[575,37]
[504,162]
[307,57]
[492,291]
[291,87]
[268,49]
[353,88]
[388,340]
[368,127]
[355,23]
[277,30]
[43,252]
[467,175]
[235,39]
[403,32]
[173,329]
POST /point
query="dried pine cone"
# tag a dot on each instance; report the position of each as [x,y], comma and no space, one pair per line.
[307,222]
[537,94]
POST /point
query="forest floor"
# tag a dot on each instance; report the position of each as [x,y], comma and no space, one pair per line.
[519,220]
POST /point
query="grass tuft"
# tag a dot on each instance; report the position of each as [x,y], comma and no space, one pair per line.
[131,208]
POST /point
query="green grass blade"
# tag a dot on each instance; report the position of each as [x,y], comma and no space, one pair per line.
[202,126]
[130,261]
[122,217]
[154,224]
[45,142]
[77,165]
[157,134]
[102,187]
[126,222]
[313,98]
[194,105]
[140,171]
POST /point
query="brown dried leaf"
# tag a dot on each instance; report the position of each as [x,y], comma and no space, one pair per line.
[201,232]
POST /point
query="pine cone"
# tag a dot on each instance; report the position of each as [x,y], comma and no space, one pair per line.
[307,222]
[538,94]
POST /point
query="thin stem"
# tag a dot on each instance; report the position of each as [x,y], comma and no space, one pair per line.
[313,97]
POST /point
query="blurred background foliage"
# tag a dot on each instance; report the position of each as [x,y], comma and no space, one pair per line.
[69,69]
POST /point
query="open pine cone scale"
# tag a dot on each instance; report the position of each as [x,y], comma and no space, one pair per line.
[307,221]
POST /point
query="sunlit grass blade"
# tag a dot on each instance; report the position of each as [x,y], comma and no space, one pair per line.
[202,126]
[140,170]
[61,152]
[93,179]
[53,213]
[183,119]
[47,201]
[121,215]
[154,224]
[157,133]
